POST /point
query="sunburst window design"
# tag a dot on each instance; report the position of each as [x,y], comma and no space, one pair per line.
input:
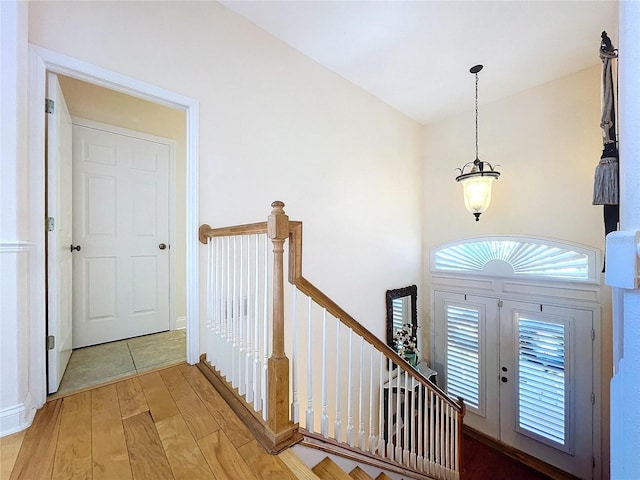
[525,258]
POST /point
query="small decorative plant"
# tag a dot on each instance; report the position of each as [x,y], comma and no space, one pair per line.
[406,343]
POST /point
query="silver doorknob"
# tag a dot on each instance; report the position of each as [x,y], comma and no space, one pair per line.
[72,248]
[162,246]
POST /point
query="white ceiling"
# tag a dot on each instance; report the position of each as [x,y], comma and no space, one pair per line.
[416,55]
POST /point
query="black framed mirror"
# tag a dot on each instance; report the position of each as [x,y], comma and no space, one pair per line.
[402,309]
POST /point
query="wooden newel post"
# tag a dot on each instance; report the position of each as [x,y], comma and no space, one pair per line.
[278,366]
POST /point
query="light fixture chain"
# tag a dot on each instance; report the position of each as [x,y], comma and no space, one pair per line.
[476,116]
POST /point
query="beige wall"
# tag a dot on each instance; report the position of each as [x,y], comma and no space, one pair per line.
[548,142]
[273,125]
[99,104]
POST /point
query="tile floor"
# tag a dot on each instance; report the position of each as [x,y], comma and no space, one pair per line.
[102,363]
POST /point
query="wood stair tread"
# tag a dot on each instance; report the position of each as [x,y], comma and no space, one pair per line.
[359,474]
[327,469]
[296,465]
[383,476]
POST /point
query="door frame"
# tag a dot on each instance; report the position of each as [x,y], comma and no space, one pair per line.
[41,61]
[492,279]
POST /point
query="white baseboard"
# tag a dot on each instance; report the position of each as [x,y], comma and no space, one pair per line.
[17,418]
[181,323]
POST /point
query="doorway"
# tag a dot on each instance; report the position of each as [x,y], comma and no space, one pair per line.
[41,62]
[127,243]
[515,332]
[525,372]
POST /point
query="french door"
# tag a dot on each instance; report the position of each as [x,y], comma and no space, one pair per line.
[524,371]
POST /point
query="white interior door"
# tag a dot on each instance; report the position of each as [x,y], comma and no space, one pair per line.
[59,237]
[121,221]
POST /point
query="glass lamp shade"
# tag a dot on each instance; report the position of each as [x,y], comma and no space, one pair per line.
[476,188]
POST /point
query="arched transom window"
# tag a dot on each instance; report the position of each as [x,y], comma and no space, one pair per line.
[507,256]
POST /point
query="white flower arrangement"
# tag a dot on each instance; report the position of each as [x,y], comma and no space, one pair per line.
[405,341]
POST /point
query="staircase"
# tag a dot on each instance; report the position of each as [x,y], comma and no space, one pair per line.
[326,469]
[342,387]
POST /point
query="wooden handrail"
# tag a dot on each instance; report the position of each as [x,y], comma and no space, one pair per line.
[206,231]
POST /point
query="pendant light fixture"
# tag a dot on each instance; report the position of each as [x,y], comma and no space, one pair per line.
[476,177]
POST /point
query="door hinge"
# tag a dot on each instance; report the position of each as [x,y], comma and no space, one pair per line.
[49,105]
[593,398]
[51,342]
[593,334]
[500,303]
[51,224]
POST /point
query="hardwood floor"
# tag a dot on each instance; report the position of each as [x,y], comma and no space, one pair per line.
[481,462]
[170,424]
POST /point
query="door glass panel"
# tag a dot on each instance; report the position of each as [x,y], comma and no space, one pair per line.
[541,385]
[463,359]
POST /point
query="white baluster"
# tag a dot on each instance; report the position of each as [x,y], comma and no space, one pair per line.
[209,281]
[211,290]
[432,429]
[227,315]
[456,447]
[439,434]
[448,438]
[310,415]
[241,320]
[218,301]
[257,383]
[373,441]
[408,418]
[215,304]
[209,295]
[265,326]
[295,404]
[414,425]
[361,438]
[390,426]
[248,374]
[381,406]
[420,432]
[443,436]
[221,306]
[338,425]
[324,419]
[350,435]
[235,367]
[399,419]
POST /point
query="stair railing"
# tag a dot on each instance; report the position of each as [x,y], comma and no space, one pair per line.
[351,387]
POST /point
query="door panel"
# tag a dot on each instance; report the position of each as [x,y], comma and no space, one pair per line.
[546,402]
[59,255]
[465,354]
[122,218]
